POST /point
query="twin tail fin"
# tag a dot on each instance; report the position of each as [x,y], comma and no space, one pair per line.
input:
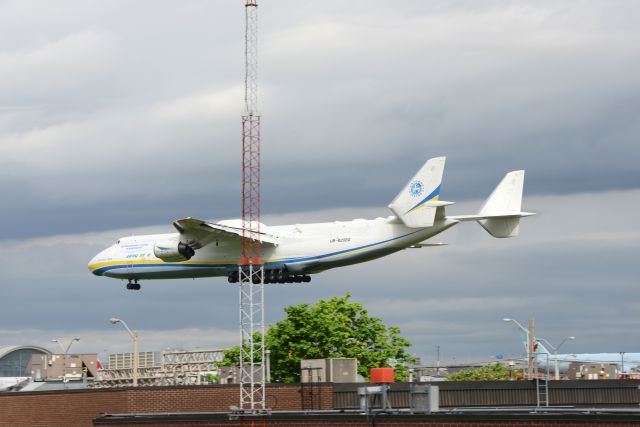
[500,215]
[418,201]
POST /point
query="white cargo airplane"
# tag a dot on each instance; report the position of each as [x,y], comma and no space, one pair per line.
[627,362]
[292,252]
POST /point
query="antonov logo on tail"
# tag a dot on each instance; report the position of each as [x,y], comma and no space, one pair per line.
[416,188]
[291,253]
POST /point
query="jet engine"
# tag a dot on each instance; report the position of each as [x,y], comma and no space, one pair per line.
[173,251]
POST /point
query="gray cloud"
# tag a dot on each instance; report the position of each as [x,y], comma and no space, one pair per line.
[129,114]
[115,115]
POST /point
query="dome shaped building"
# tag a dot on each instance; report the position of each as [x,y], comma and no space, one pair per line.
[15,358]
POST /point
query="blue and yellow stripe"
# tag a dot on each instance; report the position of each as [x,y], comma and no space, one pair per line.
[433,196]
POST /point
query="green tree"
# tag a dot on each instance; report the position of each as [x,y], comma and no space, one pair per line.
[232,355]
[331,328]
[496,372]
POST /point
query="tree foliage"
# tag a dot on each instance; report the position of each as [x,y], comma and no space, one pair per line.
[496,372]
[232,355]
[327,329]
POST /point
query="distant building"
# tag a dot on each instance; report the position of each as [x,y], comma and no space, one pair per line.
[51,367]
[419,373]
[14,359]
[146,359]
[592,371]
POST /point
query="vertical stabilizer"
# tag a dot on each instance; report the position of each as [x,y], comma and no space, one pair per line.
[416,204]
[507,197]
[504,206]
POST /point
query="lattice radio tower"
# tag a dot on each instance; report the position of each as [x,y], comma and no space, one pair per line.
[251,269]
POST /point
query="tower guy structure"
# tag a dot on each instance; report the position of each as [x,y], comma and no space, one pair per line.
[251,269]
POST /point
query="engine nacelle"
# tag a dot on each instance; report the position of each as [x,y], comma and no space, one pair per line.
[173,251]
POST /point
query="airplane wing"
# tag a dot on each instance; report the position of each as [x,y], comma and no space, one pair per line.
[197,233]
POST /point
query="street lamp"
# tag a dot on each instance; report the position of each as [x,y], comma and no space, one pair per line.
[525,330]
[134,336]
[528,333]
[65,350]
[555,353]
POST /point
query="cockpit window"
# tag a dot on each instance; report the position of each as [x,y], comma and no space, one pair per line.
[118,242]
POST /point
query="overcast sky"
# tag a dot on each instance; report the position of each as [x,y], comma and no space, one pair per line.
[118,117]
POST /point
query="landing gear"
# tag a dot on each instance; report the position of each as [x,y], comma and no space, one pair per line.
[133,285]
[233,277]
[280,275]
[256,278]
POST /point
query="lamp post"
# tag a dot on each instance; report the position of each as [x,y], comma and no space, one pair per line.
[555,353]
[529,334]
[267,355]
[65,350]
[134,336]
[525,330]
[622,364]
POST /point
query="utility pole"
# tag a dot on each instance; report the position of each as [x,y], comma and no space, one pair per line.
[531,338]
[251,266]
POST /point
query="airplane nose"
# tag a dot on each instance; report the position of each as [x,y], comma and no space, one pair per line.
[94,264]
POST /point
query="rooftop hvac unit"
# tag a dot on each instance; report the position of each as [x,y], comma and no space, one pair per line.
[336,370]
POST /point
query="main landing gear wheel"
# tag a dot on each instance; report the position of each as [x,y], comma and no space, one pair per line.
[133,285]
[280,275]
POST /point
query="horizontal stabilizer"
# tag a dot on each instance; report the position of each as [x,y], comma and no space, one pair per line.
[463,218]
[427,245]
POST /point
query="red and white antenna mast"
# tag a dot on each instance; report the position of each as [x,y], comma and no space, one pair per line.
[251,269]
[251,142]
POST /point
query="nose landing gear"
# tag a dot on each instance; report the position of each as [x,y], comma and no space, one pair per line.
[133,285]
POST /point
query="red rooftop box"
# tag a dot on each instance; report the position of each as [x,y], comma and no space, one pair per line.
[381,375]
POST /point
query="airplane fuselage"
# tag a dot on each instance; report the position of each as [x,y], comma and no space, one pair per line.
[302,249]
